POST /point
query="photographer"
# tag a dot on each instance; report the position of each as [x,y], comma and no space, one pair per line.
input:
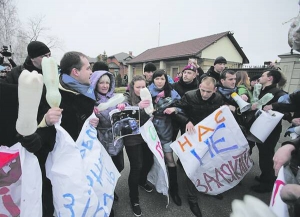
[5,53]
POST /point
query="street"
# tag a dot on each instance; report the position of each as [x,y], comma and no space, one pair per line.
[154,204]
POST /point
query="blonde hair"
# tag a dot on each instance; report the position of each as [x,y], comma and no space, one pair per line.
[242,78]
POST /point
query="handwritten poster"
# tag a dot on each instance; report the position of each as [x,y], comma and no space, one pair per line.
[216,157]
[158,173]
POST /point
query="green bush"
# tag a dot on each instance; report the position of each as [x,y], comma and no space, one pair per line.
[120,89]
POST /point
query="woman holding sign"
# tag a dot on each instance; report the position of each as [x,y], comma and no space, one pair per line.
[163,95]
[139,154]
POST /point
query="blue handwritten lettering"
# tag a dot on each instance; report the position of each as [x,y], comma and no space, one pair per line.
[70,206]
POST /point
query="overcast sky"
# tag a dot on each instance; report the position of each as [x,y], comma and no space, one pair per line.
[92,26]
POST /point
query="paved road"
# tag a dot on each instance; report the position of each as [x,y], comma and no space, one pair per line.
[154,204]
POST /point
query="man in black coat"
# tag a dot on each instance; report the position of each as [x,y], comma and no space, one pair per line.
[269,81]
[215,70]
[187,82]
[197,105]
[45,117]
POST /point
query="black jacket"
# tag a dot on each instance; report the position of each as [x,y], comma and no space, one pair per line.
[277,93]
[13,76]
[76,109]
[195,108]
[181,87]
[211,73]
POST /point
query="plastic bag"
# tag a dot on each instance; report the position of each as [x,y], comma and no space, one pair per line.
[20,182]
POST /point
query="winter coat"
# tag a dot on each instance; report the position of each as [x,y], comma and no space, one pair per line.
[211,73]
[76,109]
[162,122]
[47,134]
[104,127]
[242,89]
[277,93]
[195,108]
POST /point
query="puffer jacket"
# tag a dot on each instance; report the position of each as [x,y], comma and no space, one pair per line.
[104,127]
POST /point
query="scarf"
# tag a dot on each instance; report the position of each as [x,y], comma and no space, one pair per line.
[226,91]
[85,90]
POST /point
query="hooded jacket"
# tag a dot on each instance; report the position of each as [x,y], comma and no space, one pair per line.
[104,127]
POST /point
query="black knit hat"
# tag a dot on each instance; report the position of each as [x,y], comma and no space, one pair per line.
[100,65]
[220,59]
[149,67]
[37,48]
[254,78]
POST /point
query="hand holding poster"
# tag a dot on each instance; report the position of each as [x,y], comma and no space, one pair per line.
[216,157]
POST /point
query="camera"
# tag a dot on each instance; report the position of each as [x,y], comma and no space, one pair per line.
[5,51]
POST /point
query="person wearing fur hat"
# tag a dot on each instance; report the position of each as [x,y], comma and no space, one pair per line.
[215,70]
[148,72]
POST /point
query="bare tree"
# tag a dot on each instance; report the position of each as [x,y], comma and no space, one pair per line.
[38,31]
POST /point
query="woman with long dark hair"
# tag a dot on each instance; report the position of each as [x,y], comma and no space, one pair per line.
[163,96]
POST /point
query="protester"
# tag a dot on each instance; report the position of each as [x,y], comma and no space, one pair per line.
[103,84]
[178,76]
[254,80]
[244,88]
[139,155]
[215,70]
[289,154]
[186,83]
[99,66]
[197,105]
[243,85]
[269,80]
[36,51]
[163,95]
[148,72]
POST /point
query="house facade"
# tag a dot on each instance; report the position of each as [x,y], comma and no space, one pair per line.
[117,63]
[174,57]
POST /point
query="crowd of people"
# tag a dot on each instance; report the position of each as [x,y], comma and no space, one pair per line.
[179,105]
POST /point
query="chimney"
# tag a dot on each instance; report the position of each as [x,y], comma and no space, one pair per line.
[130,53]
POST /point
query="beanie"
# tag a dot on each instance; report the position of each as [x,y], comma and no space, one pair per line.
[254,78]
[37,48]
[100,66]
[220,59]
[149,67]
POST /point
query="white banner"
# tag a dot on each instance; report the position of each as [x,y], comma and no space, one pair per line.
[20,183]
[216,157]
[276,204]
[83,175]
[158,173]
